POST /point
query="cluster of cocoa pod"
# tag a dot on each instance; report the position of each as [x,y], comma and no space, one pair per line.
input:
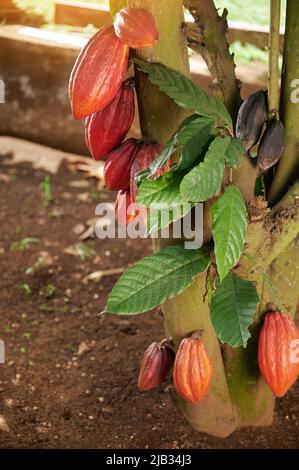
[251,119]
[192,370]
[99,93]
[278,360]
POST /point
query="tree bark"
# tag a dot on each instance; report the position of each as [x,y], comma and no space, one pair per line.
[210,42]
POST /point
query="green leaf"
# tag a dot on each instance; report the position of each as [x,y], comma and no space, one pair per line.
[159,193]
[195,148]
[193,127]
[259,188]
[232,310]
[156,278]
[185,93]
[229,229]
[234,153]
[203,181]
[161,190]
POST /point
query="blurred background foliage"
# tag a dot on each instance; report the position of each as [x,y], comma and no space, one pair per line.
[41,13]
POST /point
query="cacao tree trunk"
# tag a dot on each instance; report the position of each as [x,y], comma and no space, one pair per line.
[238,396]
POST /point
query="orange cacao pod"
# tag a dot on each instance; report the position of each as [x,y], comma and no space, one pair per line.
[192,371]
[106,129]
[155,365]
[118,165]
[98,73]
[145,155]
[136,27]
[127,210]
[276,352]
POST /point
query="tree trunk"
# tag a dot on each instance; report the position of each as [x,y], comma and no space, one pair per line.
[288,167]
[187,312]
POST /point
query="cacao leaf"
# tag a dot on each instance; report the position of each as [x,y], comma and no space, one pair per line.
[234,153]
[163,191]
[156,278]
[185,93]
[232,310]
[229,229]
[204,180]
[197,145]
[193,127]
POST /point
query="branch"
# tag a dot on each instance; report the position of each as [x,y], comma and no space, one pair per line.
[288,167]
[283,225]
[208,37]
[274,41]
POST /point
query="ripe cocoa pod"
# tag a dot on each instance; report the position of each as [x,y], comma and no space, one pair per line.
[155,365]
[98,73]
[277,357]
[106,129]
[251,119]
[271,146]
[117,169]
[145,155]
[192,373]
[127,211]
[136,27]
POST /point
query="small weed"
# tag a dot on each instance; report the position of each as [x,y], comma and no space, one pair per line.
[8,328]
[26,289]
[46,188]
[30,270]
[50,290]
[13,176]
[45,308]
[84,251]
[28,335]
[23,244]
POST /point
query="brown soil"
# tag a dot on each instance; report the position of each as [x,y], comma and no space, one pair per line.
[70,375]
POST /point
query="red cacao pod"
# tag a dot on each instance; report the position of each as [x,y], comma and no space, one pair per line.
[127,211]
[276,353]
[118,165]
[155,365]
[145,155]
[106,129]
[98,73]
[192,371]
[136,27]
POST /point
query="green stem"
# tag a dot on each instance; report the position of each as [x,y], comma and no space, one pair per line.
[288,167]
[274,75]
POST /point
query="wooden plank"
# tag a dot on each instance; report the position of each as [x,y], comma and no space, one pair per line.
[82,14]
[251,34]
